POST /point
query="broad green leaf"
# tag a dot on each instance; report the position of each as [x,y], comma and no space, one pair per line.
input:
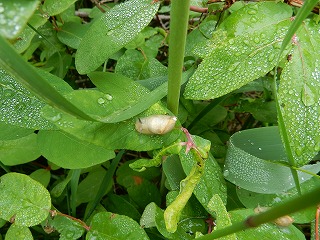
[153,217]
[42,176]
[120,205]
[68,229]
[18,232]
[253,200]
[14,16]
[23,200]
[122,135]
[256,161]
[255,16]
[246,57]
[19,151]
[76,153]
[106,225]
[126,176]
[11,61]
[10,132]
[143,191]
[89,187]
[212,181]
[24,39]
[52,7]
[71,33]
[299,94]
[265,231]
[18,106]
[131,98]
[218,209]
[135,65]
[112,31]
[173,170]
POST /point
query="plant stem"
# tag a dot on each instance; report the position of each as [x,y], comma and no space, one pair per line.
[297,204]
[75,175]
[177,41]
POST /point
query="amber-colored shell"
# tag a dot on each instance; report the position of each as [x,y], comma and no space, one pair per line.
[155,124]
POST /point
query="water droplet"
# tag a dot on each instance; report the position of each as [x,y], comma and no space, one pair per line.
[253,19]
[108,97]
[298,151]
[256,40]
[101,100]
[307,96]
[233,66]
[271,57]
[226,173]
[231,41]
[252,12]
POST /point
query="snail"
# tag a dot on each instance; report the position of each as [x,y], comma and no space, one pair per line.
[155,124]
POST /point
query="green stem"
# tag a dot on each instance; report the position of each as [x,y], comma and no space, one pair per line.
[75,175]
[177,41]
[294,205]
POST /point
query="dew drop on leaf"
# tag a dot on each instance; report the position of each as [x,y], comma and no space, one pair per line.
[101,100]
[307,96]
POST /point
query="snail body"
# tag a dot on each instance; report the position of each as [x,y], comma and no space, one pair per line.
[155,124]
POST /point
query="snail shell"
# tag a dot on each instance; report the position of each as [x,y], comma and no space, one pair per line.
[156,124]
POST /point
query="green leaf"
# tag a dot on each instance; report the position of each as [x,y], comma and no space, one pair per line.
[23,200]
[11,61]
[14,16]
[106,225]
[19,151]
[247,56]
[18,106]
[253,17]
[89,187]
[212,181]
[256,161]
[10,132]
[135,65]
[71,33]
[52,7]
[122,135]
[153,217]
[253,200]
[218,209]
[130,98]
[68,229]
[299,94]
[18,232]
[76,153]
[266,231]
[112,31]
[174,172]
[118,204]
[24,39]
[42,176]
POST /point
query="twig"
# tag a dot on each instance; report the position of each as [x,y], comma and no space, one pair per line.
[198,9]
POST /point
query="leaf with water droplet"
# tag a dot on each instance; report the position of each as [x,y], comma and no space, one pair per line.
[299,95]
[230,66]
[14,16]
[117,27]
[52,7]
[256,161]
[18,232]
[23,199]
[115,226]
